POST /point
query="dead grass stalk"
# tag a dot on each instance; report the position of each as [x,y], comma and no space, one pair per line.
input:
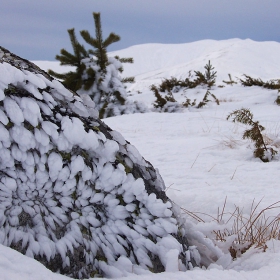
[253,230]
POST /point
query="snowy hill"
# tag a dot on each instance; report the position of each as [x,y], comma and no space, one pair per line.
[202,156]
[153,62]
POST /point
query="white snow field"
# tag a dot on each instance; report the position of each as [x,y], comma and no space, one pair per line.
[200,155]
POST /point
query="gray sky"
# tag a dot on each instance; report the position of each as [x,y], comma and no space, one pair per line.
[37,29]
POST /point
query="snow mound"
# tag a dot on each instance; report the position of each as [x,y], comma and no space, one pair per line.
[74,194]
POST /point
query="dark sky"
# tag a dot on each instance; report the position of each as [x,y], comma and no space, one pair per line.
[37,29]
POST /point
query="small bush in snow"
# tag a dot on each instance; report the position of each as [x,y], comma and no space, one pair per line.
[208,78]
[168,103]
[272,84]
[262,150]
[249,81]
[206,99]
[165,104]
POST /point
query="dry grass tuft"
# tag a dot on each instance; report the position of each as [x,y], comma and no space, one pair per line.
[240,231]
[230,142]
[227,142]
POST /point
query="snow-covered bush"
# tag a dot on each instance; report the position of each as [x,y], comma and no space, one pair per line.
[74,194]
[169,104]
[263,150]
[165,101]
[249,82]
[108,91]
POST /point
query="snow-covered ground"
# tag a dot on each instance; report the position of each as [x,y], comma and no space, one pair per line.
[200,155]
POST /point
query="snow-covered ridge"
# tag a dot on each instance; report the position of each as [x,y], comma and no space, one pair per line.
[153,62]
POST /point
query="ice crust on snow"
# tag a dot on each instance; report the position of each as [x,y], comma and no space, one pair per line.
[73,193]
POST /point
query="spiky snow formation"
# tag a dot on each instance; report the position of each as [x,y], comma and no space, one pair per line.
[74,194]
[108,91]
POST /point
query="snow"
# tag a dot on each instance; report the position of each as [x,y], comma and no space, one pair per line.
[13,111]
[201,157]
[152,62]
[257,266]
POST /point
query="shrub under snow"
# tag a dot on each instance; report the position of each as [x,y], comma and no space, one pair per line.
[108,91]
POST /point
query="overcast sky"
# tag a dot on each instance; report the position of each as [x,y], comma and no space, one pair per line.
[37,29]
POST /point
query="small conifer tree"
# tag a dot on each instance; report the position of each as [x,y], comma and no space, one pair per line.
[208,78]
[206,99]
[72,80]
[210,74]
[100,46]
[262,150]
[125,60]
[96,74]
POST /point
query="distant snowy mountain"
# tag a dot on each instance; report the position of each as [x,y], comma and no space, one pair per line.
[153,62]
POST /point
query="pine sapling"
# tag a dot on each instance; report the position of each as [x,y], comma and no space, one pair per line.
[205,99]
[126,60]
[230,82]
[249,81]
[170,97]
[208,78]
[272,84]
[210,75]
[160,101]
[99,45]
[189,103]
[72,80]
[262,150]
[96,74]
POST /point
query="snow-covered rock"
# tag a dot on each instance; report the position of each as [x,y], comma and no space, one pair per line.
[74,194]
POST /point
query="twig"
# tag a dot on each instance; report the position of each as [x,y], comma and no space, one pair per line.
[220,217]
[195,160]
[168,187]
[205,122]
[171,188]
[212,167]
[235,171]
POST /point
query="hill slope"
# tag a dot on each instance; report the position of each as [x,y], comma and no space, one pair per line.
[153,62]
